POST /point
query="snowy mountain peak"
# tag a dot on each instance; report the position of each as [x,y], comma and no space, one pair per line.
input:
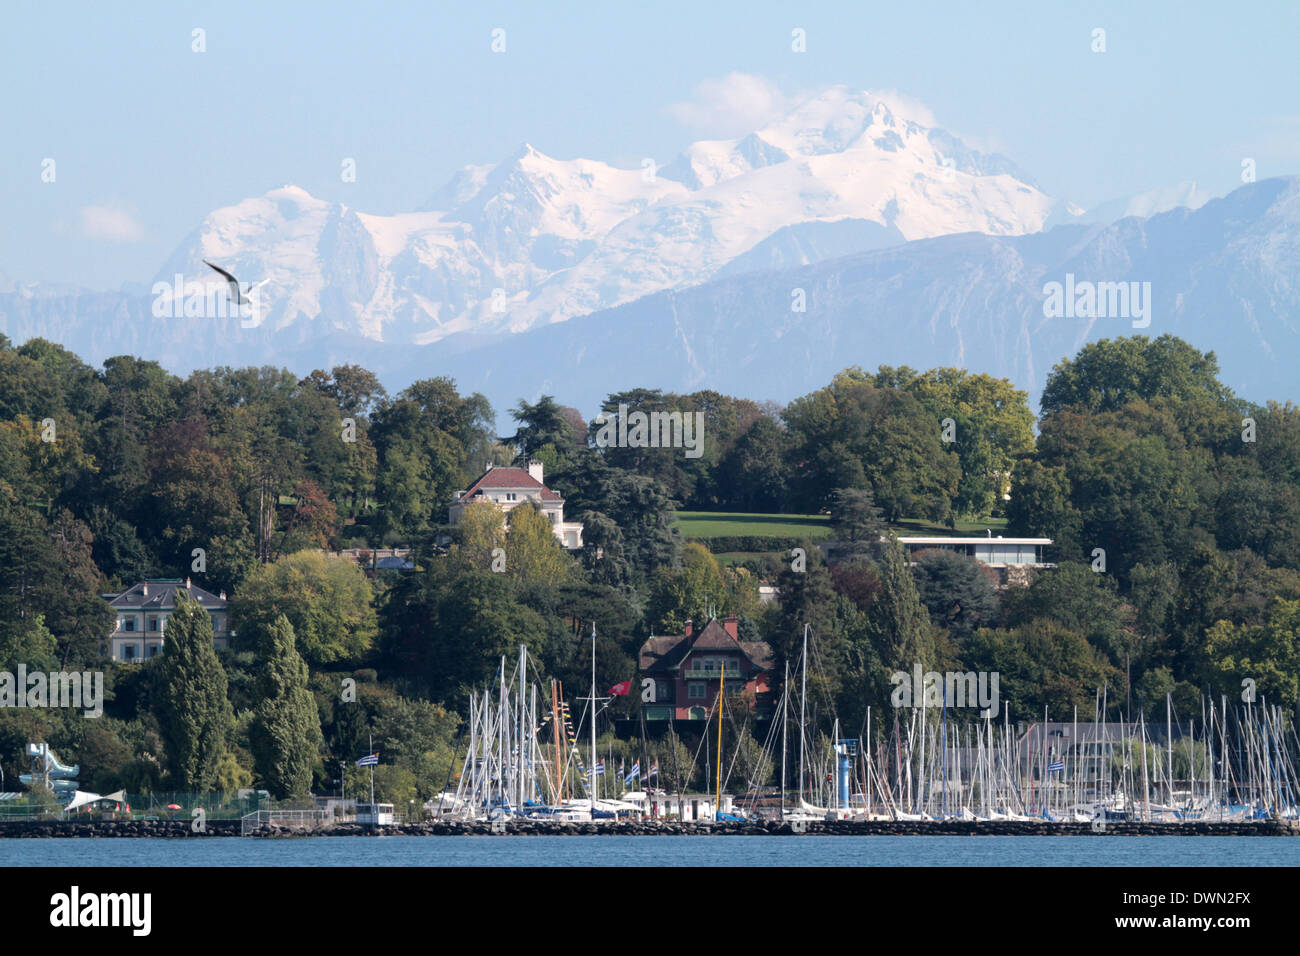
[535,239]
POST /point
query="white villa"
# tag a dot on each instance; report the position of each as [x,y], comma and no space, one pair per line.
[996,552]
[142,612]
[1010,560]
[509,487]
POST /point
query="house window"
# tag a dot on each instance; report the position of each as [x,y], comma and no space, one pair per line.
[216,624]
[128,623]
[129,652]
[153,623]
[154,649]
[695,690]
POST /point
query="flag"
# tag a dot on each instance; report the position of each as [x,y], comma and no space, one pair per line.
[633,773]
[599,769]
[1056,766]
[369,760]
[620,690]
[654,770]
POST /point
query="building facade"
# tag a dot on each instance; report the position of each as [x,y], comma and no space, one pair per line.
[681,674]
[142,612]
[508,488]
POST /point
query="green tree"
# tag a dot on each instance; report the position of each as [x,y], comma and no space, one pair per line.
[956,592]
[192,708]
[1267,653]
[1109,374]
[285,735]
[855,523]
[326,599]
[900,627]
[533,554]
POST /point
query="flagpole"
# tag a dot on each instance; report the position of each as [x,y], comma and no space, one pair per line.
[373,808]
[593,720]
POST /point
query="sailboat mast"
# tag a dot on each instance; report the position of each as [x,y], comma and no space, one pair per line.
[785,722]
[717,803]
[803,707]
[593,720]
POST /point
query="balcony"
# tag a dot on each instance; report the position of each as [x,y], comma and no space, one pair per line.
[710,674]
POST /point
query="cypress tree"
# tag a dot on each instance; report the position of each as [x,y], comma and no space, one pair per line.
[192,707]
[900,626]
[285,734]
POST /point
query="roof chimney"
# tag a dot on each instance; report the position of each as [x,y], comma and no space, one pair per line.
[535,470]
[688,627]
[144,590]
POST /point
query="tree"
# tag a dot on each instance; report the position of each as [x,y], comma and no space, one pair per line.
[900,628]
[1109,374]
[1041,664]
[193,710]
[430,442]
[855,522]
[446,627]
[479,533]
[1267,653]
[546,424]
[326,599]
[285,735]
[993,427]
[676,763]
[754,474]
[533,554]
[853,435]
[690,591]
[956,591]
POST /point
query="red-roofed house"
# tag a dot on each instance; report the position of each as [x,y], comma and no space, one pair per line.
[685,670]
[508,487]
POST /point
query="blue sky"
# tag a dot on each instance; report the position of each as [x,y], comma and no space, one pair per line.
[149,136]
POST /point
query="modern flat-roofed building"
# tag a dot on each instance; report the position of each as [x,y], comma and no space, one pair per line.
[995,552]
[1010,560]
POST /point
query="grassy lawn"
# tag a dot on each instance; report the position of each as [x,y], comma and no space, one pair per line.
[728,558]
[965,526]
[710,524]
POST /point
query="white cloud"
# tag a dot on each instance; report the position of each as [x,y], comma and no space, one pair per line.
[109,222]
[735,105]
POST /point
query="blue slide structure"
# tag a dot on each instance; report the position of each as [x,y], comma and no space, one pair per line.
[47,769]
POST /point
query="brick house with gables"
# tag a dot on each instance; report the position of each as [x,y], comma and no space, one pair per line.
[683,671]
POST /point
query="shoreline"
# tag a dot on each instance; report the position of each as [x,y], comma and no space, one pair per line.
[181,829]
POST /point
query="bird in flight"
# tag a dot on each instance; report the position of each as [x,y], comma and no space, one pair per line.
[239,297]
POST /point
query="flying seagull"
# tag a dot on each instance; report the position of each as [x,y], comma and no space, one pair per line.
[239,297]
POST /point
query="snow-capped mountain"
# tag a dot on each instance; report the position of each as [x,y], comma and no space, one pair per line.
[535,240]
[1185,195]
[1221,276]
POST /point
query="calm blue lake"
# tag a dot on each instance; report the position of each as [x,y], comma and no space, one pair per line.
[660,851]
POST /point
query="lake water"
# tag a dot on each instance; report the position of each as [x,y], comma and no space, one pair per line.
[872,851]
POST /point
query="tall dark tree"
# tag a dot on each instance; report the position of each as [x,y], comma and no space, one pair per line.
[285,735]
[191,704]
[956,592]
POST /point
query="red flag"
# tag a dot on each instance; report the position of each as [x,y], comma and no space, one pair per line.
[618,690]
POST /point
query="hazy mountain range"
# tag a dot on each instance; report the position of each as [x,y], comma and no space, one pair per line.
[577,278]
